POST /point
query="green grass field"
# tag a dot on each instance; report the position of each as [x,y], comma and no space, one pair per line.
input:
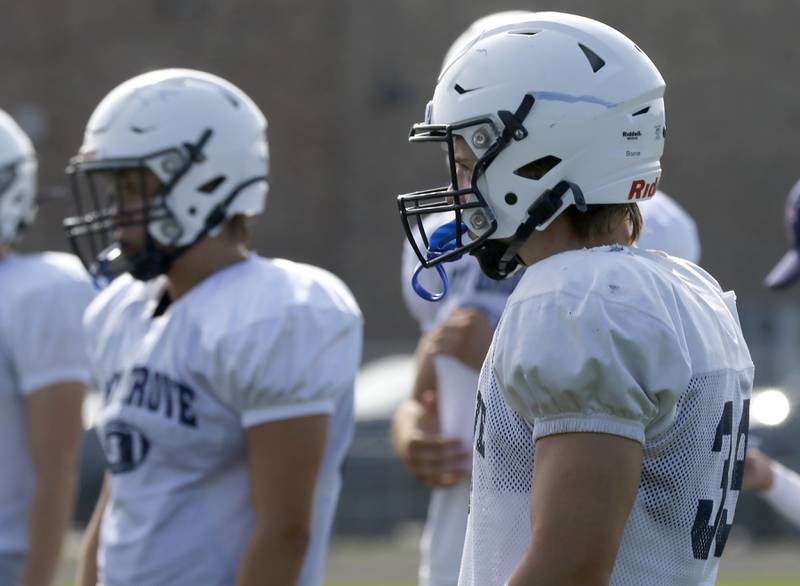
[376,562]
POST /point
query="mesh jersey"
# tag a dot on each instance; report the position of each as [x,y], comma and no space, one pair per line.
[260,341]
[44,297]
[626,342]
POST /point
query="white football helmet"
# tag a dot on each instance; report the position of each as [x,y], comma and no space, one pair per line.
[481,26]
[17,180]
[559,110]
[201,136]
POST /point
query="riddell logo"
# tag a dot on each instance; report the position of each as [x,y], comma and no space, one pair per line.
[640,189]
[631,134]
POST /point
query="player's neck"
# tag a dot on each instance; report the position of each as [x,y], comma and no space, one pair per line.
[200,262]
[560,236]
[5,251]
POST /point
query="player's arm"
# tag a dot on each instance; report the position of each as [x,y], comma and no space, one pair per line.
[53,421]
[433,459]
[778,485]
[466,336]
[87,564]
[584,487]
[283,458]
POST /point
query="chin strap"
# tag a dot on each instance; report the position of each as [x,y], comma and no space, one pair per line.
[499,260]
[442,240]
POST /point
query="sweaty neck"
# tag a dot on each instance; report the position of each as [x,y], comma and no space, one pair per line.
[560,236]
[200,262]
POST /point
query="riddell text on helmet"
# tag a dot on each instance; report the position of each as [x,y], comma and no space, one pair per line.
[640,189]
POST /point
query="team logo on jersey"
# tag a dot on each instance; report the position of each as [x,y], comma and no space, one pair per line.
[125,447]
[156,392]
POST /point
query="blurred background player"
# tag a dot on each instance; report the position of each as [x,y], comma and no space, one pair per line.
[43,377]
[669,228]
[775,483]
[228,377]
[433,428]
[570,368]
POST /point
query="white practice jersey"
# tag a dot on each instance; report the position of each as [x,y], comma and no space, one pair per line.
[259,341]
[626,342]
[41,344]
[446,523]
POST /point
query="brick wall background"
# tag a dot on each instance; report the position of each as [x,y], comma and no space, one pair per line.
[342,81]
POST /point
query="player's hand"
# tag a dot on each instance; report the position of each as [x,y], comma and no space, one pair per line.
[466,335]
[434,460]
[757,471]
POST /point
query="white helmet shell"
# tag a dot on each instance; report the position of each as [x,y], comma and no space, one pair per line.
[598,112]
[17,179]
[484,25]
[156,118]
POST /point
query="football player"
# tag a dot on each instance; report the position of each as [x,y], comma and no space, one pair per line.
[43,376]
[228,377]
[456,334]
[626,369]
[777,484]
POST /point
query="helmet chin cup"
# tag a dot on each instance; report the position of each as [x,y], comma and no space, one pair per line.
[143,266]
[490,255]
[107,266]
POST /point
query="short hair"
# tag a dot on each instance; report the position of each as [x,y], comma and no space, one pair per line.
[602,219]
[236,228]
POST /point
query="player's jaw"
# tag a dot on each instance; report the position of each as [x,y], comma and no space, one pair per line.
[137,193]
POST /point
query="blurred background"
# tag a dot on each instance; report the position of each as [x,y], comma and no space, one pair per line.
[341,83]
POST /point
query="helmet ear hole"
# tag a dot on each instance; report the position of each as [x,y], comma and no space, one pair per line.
[211,186]
[537,169]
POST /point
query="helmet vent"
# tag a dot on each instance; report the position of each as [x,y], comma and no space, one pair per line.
[211,186]
[140,130]
[594,59]
[644,110]
[230,97]
[539,168]
[523,33]
[460,90]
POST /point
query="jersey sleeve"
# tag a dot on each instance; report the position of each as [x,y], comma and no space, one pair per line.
[48,340]
[582,363]
[297,367]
